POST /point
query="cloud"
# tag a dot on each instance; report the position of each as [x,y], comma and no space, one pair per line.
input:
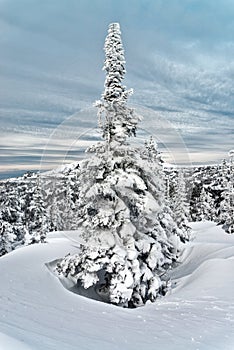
[179,62]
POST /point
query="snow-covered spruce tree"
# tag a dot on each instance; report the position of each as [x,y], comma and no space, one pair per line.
[131,238]
[231,195]
[226,199]
[180,206]
[12,228]
[227,209]
[7,237]
[69,214]
[56,202]
[36,215]
[53,214]
[207,205]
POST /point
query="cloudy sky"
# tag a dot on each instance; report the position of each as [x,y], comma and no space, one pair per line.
[180,63]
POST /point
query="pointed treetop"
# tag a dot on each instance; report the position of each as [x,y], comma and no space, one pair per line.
[114,65]
[116,120]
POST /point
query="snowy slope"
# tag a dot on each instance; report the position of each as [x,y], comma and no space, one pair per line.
[37,312]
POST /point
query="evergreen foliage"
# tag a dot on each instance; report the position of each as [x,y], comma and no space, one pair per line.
[116,120]
[11,219]
[7,237]
[179,205]
[37,221]
[131,238]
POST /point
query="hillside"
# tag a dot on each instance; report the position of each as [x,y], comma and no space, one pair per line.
[37,312]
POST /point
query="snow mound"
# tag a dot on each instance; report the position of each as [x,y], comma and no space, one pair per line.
[37,312]
[210,262]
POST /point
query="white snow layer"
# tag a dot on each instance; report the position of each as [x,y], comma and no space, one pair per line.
[38,313]
[7,342]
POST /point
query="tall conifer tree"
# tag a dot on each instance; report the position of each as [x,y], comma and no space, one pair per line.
[131,238]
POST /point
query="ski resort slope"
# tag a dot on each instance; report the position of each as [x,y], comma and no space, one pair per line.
[38,313]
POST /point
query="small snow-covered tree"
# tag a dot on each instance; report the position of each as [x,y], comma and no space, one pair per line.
[56,203]
[11,217]
[180,206]
[226,203]
[7,237]
[69,206]
[207,205]
[55,221]
[227,209]
[231,194]
[130,237]
[36,215]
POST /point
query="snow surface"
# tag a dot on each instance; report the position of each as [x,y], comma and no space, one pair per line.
[38,313]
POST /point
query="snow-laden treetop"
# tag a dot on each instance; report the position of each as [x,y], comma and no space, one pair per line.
[116,120]
[114,66]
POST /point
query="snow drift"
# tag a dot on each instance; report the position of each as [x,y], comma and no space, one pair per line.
[37,312]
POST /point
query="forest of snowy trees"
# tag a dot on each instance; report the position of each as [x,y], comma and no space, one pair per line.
[207,194]
[131,210]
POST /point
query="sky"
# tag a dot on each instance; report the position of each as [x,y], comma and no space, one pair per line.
[179,60]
